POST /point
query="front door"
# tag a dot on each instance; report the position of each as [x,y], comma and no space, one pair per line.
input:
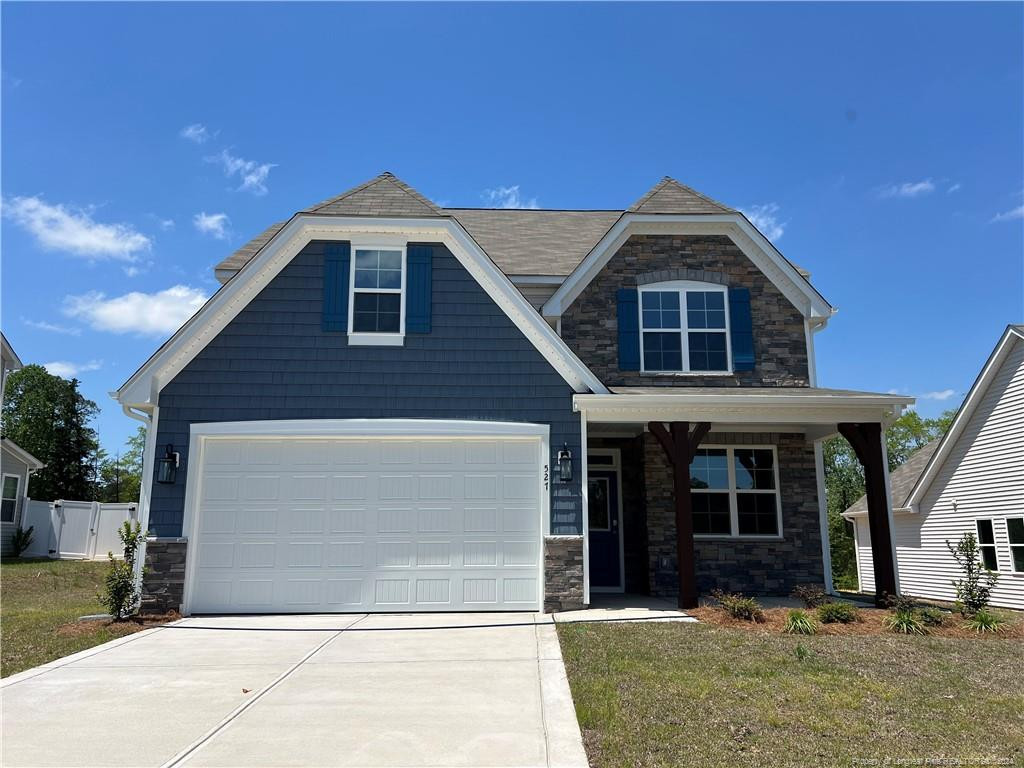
[604,530]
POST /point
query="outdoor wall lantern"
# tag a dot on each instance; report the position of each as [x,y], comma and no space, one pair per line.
[565,464]
[167,467]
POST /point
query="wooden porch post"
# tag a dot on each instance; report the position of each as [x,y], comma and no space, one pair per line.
[866,441]
[679,444]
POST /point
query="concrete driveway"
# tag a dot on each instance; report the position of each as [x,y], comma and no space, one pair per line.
[353,690]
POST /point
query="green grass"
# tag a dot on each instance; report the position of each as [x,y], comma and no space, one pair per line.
[40,597]
[699,695]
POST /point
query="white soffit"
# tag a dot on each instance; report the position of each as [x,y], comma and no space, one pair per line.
[142,389]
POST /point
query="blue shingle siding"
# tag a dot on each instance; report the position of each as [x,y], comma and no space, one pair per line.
[275,361]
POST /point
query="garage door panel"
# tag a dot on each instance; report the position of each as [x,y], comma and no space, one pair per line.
[367,524]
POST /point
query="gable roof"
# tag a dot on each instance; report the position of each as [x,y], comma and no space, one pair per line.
[384,195]
[901,480]
[669,196]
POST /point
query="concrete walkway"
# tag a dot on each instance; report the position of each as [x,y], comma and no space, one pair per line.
[334,690]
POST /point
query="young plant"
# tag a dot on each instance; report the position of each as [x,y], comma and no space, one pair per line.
[738,606]
[800,623]
[983,621]
[837,613]
[801,652]
[932,617]
[905,623]
[121,592]
[21,539]
[975,588]
[811,595]
[900,603]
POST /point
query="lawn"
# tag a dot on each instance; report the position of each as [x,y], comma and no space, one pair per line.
[702,695]
[40,602]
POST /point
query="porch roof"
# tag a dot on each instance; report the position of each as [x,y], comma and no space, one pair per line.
[801,409]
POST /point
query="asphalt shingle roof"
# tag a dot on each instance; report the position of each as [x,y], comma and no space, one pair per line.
[903,479]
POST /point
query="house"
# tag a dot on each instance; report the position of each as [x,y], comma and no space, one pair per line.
[16,464]
[969,481]
[393,406]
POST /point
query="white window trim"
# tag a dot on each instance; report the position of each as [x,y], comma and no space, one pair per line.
[734,522]
[681,287]
[1006,521]
[994,545]
[17,495]
[376,338]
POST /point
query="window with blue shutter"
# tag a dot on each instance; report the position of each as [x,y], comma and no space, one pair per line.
[337,262]
[419,285]
[628,318]
[741,327]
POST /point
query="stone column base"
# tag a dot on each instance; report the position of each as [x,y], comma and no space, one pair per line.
[163,581]
[563,573]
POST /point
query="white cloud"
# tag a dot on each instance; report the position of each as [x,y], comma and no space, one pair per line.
[953,188]
[214,224]
[1014,214]
[59,228]
[166,224]
[908,189]
[43,325]
[940,395]
[508,197]
[196,132]
[143,314]
[252,174]
[67,370]
[765,218]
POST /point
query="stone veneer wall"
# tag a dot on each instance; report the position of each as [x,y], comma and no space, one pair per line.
[590,325]
[563,573]
[163,582]
[753,567]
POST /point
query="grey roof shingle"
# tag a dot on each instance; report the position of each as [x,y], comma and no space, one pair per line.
[669,196]
[902,479]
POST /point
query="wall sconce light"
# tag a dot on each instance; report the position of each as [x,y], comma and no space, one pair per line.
[167,467]
[565,464]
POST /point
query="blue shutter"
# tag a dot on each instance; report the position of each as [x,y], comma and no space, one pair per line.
[741,329]
[418,285]
[629,330]
[337,259]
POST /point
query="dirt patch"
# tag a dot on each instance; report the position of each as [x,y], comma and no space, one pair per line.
[118,628]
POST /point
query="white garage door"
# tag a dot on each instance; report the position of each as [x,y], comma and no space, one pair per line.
[299,524]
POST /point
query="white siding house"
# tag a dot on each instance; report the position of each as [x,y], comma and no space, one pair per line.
[970,481]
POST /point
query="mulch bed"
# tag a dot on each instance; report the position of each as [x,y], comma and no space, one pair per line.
[127,627]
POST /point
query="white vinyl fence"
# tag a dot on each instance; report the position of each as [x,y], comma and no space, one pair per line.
[75,530]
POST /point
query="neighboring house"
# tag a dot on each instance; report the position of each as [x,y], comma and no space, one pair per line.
[393,406]
[970,481]
[16,464]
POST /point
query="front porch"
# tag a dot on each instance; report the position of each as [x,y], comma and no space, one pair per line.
[688,490]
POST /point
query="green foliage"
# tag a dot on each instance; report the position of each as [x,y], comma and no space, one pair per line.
[799,623]
[120,478]
[801,652]
[739,606]
[21,539]
[975,588]
[901,603]
[837,613]
[811,595]
[931,616]
[121,593]
[905,623]
[48,417]
[983,621]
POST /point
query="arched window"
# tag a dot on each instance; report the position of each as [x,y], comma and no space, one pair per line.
[684,328]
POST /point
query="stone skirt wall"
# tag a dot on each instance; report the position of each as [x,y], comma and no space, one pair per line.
[563,573]
[163,581]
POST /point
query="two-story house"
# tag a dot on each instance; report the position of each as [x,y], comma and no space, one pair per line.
[393,406]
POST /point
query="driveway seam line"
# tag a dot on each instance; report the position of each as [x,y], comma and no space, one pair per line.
[195,746]
[540,693]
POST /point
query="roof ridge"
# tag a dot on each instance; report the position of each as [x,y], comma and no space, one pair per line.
[386,176]
[665,182]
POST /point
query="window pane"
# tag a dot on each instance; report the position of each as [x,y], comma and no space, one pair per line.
[663,352]
[1014,527]
[376,312]
[597,504]
[378,269]
[652,318]
[660,309]
[10,487]
[988,557]
[7,510]
[709,469]
[705,309]
[390,260]
[755,469]
[707,352]
[367,259]
[1017,555]
[756,514]
[711,513]
[389,278]
[985,532]
[714,300]
[366,278]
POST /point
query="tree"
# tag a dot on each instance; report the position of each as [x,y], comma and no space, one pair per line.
[120,478]
[48,417]
[844,482]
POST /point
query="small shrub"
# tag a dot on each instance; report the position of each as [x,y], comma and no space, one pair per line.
[21,539]
[975,588]
[739,606]
[121,592]
[801,652]
[811,595]
[900,603]
[799,623]
[983,621]
[931,616]
[837,613]
[905,623]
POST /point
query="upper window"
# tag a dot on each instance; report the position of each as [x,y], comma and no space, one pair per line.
[378,300]
[684,328]
[735,492]
[1015,531]
[987,545]
[9,503]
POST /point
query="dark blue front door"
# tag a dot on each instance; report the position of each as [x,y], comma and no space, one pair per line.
[603,519]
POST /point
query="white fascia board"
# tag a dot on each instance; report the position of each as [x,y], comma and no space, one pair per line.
[995,361]
[392,428]
[21,454]
[144,386]
[754,245]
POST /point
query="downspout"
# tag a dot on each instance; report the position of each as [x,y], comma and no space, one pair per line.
[145,485]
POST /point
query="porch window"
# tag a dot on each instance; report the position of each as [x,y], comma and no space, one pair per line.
[735,492]
[1015,530]
[987,544]
[684,328]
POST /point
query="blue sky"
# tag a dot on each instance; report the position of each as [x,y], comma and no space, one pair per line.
[879,145]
